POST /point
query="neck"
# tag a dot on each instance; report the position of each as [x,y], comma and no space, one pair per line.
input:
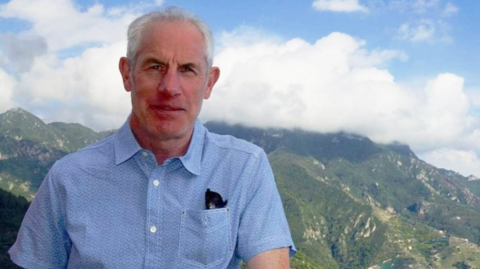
[162,148]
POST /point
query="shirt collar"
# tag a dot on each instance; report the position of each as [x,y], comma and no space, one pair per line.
[126,146]
[125,143]
[193,158]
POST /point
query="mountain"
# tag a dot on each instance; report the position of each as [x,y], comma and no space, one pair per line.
[350,202]
[29,147]
[12,210]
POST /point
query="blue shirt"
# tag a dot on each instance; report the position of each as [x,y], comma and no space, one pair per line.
[111,205]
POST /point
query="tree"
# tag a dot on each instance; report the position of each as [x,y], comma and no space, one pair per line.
[461,265]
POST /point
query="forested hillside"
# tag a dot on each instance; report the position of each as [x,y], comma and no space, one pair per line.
[350,202]
[12,210]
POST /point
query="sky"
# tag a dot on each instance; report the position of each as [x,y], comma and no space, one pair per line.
[392,70]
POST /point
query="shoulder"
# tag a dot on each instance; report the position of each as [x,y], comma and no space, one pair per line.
[232,145]
[100,153]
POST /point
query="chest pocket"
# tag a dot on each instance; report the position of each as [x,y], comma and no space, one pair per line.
[205,239]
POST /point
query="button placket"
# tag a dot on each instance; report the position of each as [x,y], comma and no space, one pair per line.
[155,224]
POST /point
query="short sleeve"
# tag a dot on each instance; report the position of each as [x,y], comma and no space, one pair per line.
[42,240]
[263,225]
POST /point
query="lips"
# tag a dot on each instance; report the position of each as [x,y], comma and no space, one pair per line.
[169,110]
[166,106]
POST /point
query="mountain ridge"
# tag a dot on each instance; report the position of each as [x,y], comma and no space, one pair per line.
[350,202]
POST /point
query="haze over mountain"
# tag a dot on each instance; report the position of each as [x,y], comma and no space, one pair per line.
[350,202]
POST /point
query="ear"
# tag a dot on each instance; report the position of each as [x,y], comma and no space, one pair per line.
[212,79]
[124,66]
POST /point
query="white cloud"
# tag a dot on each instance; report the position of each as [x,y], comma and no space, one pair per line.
[420,6]
[422,31]
[244,35]
[428,20]
[466,162]
[474,96]
[55,20]
[7,84]
[85,88]
[19,51]
[339,6]
[334,85]
[415,6]
[88,87]
[450,9]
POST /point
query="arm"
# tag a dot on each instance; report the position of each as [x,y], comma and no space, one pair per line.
[271,259]
[42,241]
[263,233]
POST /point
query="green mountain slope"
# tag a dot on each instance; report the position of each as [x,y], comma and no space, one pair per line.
[350,203]
[339,188]
[29,147]
[338,231]
[341,228]
[12,209]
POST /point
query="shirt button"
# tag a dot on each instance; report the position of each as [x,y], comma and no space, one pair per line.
[144,154]
[156,183]
[153,229]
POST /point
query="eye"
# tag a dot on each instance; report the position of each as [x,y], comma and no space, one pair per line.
[156,67]
[187,69]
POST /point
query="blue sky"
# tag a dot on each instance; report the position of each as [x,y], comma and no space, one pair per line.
[393,70]
[378,28]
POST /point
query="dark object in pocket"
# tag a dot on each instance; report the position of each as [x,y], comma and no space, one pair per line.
[214,200]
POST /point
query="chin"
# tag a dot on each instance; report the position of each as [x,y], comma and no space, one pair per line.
[168,130]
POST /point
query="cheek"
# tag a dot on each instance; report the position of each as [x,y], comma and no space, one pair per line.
[143,92]
[197,99]
[199,87]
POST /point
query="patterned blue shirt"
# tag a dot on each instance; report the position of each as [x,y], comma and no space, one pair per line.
[111,206]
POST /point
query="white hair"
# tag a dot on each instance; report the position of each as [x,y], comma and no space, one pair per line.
[169,14]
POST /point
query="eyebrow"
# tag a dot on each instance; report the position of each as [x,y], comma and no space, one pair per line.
[153,61]
[192,65]
[156,61]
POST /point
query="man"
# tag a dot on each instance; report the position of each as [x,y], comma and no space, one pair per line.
[137,199]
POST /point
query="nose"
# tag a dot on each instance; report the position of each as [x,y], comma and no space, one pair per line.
[170,83]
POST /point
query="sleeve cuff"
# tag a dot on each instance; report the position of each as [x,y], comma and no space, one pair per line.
[27,262]
[268,244]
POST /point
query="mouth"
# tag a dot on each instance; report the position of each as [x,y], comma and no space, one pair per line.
[167,109]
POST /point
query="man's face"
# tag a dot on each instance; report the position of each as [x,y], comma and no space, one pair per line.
[169,80]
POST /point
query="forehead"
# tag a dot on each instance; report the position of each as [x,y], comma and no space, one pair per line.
[177,40]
